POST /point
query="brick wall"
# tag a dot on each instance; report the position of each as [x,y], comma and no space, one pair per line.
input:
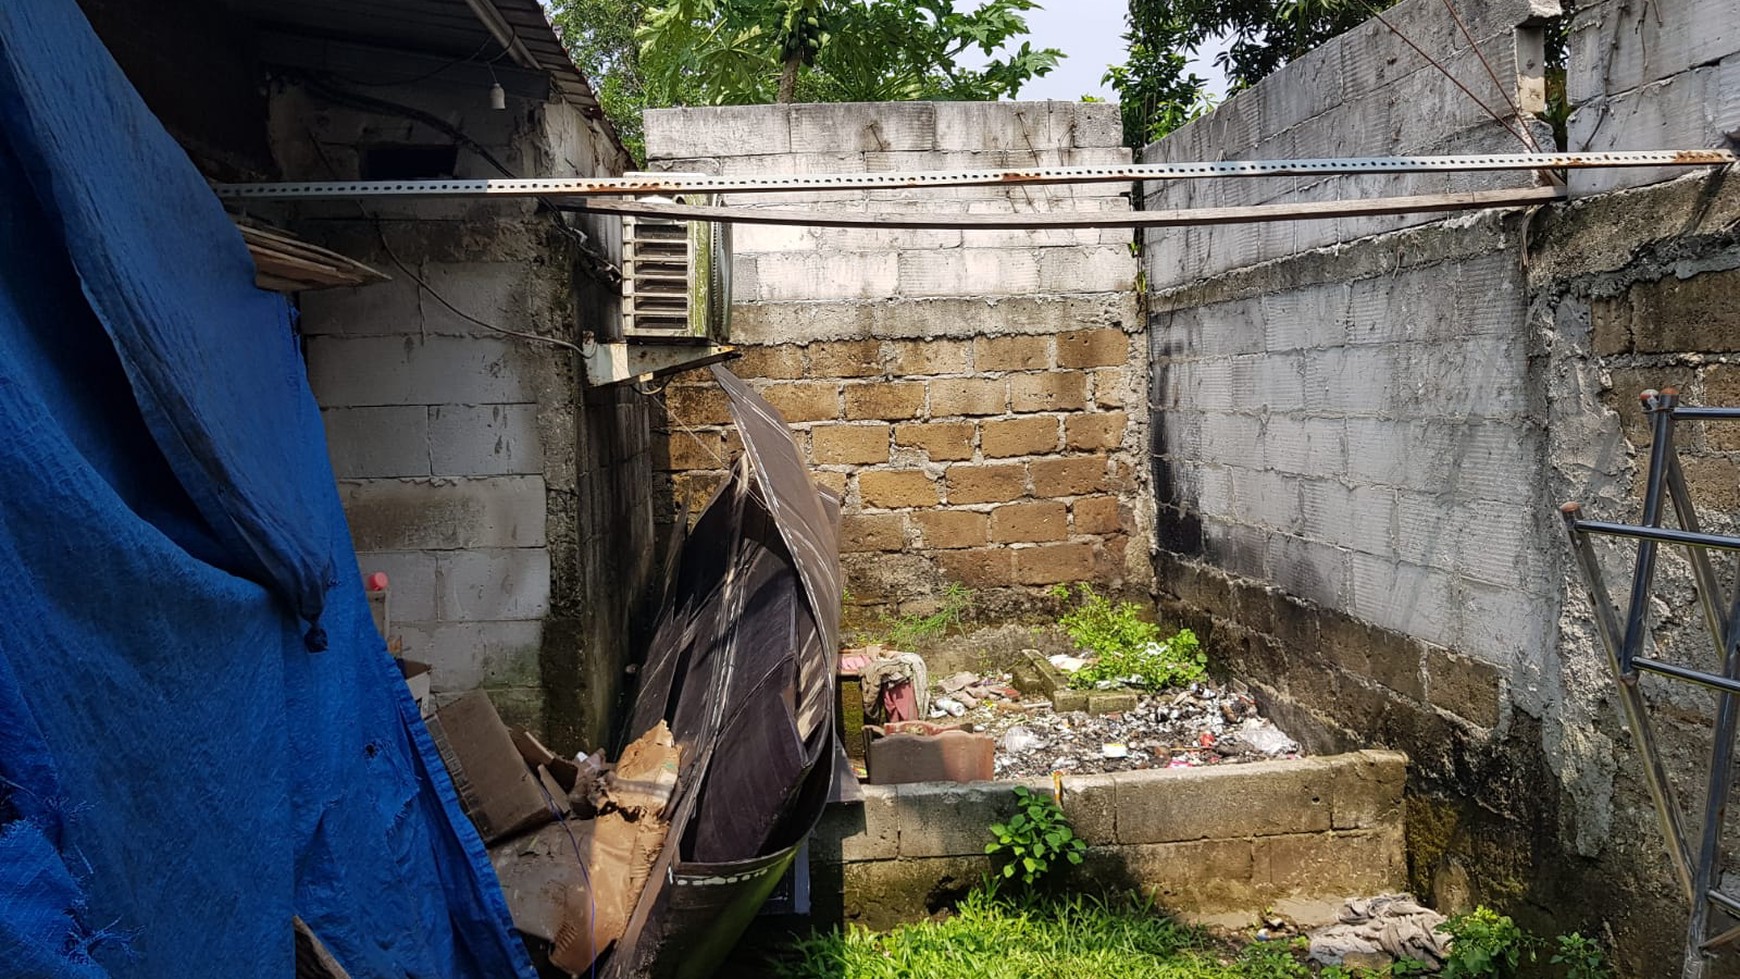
[967,393]
[502,498]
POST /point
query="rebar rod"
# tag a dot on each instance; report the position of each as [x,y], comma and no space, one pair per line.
[1643,578]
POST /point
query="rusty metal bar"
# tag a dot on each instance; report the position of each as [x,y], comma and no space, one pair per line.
[653,183]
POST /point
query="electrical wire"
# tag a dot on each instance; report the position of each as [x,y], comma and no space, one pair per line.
[580,861]
[1453,79]
[665,403]
[1515,110]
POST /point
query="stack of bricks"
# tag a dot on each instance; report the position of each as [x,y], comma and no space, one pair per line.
[994,461]
[975,397]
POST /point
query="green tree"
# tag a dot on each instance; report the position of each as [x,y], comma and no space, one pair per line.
[653,53]
[1157,93]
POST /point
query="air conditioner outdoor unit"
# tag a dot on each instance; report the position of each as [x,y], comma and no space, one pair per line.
[676,297]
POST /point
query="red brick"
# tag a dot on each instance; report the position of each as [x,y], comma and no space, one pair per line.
[1095,431]
[968,396]
[1097,515]
[947,756]
[941,529]
[1004,438]
[979,567]
[1027,523]
[850,358]
[1012,354]
[1093,348]
[915,358]
[885,400]
[704,449]
[1051,564]
[804,401]
[1051,391]
[849,445]
[986,484]
[895,489]
[1069,477]
[873,532]
[832,482]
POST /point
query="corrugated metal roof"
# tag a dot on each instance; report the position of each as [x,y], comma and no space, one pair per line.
[446,28]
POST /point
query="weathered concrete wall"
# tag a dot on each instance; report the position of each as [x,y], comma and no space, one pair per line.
[1362,435]
[1658,75]
[1233,838]
[501,497]
[966,392]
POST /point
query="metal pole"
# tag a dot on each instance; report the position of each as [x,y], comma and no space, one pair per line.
[1661,792]
[1644,579]
[1721,782]
[1703,572]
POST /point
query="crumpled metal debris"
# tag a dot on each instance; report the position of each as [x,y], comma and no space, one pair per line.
[1394,925]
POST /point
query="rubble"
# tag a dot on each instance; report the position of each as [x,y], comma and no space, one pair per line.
[1202,724]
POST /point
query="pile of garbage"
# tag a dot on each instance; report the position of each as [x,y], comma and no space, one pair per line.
[1202,724]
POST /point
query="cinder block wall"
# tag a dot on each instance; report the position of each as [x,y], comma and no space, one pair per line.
[1362,432]
[968,394]
[1268,836]
[502,498]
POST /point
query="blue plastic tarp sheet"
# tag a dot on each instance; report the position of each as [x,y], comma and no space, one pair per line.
[181,772]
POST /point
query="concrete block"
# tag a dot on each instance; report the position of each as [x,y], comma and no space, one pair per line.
[469,655]
[1358,862]
[978,126]
[947,819]
[485,440]
[399,515]
[785,277]
[410,578]
[858,128]
[1505,625]
[371,371]
[1100,268]
[717,131]
[493,585]
[1312,570]
[1616,47]
[1204,876]
[1091,803]
[967,272]
[860,833]
[498,293]
[1693,109]
[1258,799]
[378,308]
[1404,598]
[377,442]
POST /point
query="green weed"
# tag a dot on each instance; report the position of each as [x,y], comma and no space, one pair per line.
[913,633]
[1483,945]
[1125,646]
[1028,846]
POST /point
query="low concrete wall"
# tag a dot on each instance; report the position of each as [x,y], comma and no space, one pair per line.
[1233,838]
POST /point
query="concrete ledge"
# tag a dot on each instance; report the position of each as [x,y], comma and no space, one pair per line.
[1203,840]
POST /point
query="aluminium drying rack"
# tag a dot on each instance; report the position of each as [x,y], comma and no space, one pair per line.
[644,184]
[1699,873]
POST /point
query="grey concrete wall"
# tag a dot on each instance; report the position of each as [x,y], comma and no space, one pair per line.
[1362,435]
[501,497]
[1660,75]
[1205,841]
[967,392]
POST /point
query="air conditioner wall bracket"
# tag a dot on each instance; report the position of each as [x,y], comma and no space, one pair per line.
[619,362]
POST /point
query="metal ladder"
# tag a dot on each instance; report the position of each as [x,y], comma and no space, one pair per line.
[1698,873]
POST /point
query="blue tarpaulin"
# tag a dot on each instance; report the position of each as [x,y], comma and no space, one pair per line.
[201,733]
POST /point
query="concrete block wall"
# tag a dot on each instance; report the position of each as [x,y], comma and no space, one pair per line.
[1220,840]
[968,394]
[501,498]
[1645,76]
[1361,445]
[1366,93]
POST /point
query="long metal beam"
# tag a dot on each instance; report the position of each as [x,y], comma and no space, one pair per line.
[695,183]
[1184,217]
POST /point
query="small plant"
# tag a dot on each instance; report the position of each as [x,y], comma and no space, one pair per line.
[1581,957]
[1127,648]
[1483,945]
[1031,843]
[914,632]
[1272,960]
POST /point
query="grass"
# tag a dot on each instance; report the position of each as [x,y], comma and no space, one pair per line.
[915,633]
[1073,937]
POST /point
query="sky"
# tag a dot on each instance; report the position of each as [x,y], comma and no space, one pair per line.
[1091,35]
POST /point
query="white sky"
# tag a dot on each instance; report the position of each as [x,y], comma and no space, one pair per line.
[1091,35]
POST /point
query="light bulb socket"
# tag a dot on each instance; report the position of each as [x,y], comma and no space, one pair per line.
[497,96]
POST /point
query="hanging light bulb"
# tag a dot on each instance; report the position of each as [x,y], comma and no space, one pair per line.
[497,97]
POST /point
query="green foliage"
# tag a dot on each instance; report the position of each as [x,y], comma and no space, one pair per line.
[1157,92]
[912,633]
[1030,844]
[988,937]
[1272,960]
[1125,645]
[1483,945]
[653,53]
[1581,958]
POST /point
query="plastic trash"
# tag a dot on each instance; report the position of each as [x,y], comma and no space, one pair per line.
[1067,663]
[1020,740]
[949,705]
[1265,737]
[1114,751]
